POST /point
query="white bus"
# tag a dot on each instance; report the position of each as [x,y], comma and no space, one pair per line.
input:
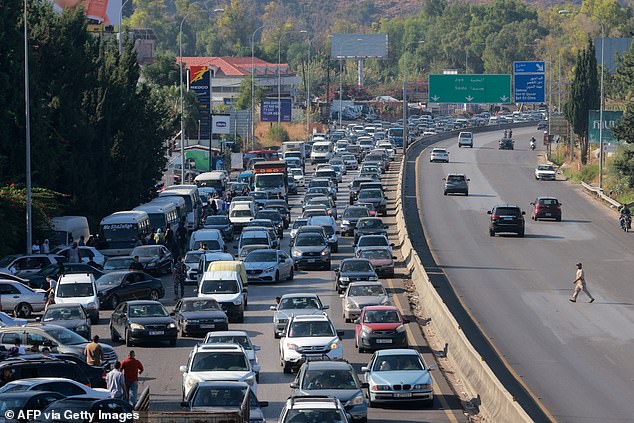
[67,229]
[121,230]
[161,215]
[216,179]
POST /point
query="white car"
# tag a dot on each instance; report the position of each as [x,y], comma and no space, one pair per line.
[239,337]
[439,155]
[309,335]
[389,149]
[209,362]
[298,175]
[20,298]
[26,264]
[429,133]
[465,139]
[64,386]
[545,173]
[350,161]
[87,253]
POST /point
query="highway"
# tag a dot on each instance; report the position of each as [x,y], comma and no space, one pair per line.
[575,357]
[162,362]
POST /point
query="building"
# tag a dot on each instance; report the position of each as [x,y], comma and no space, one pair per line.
[229,72]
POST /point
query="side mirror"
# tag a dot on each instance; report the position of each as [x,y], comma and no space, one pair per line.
[488,211]
[340,334]
[183,369]
[365,370]
[294,385]
[392,244]
[274,308]
[405,321]
[523,213]
[365,385]
[325,307]
[172,314]
[335,269]
[257,348]
[184,404]
[263,404]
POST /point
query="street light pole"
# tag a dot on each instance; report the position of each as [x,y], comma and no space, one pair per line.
[253,83]
[279,75]
[27,113]
[121,22]
[307,76]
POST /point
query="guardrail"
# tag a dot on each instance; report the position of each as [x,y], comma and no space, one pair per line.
[470,367]
[601,195]
[143,403]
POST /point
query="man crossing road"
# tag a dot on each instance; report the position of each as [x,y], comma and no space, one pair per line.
[580,285]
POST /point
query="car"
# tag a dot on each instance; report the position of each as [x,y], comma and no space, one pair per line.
[325,183]
[268,265]
[120,411]
[114,264]
[456,183]
[275,217]
[59,339]
[241,338]
[222,223]
[21,299]
[545,172]
[289,305]
[78,288]
[350,161]
[439,155]
[389,149]
[311,250]
[336,379]
[87,254]
[368,206]
[71,316]
[115,287]
[374,196]
[291,184]
[297,224]
[282,207]
[369,226]
[224,282]
[274,240]
[96,374]
[322,191]
[506,144]
[309,336]
[362,294]
[381,259]
[350,217]
[21,265]
[465,139]
[255,239]
[542,125]
[66,387]
[398,375]
[330,229]
[142,321]
[370,241]
[353,270]
[198,316]
[380,327]
[546,208]
[313,409]
[331,206]
[259,197]
[221,396]
[506,218]
[27,401]
[192,261]
[154,258]
[41,278]
[298,175]
[215,362]
[314,211]
[6,320]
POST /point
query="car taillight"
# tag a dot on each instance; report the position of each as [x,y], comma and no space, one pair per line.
[495,217]
[104,374]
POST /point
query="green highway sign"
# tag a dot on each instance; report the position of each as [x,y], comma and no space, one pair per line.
[470,88]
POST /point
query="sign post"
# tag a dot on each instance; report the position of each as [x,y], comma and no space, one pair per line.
[476,88]
[529,82]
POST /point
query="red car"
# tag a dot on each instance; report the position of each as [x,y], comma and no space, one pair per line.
[546,208]
[380,327]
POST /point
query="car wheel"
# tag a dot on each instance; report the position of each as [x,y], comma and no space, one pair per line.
[113,335]
[558,219]
[240,318]
[173,342]
[291,275]
[535,218]
[491,232]
[23,310]
[296,267]
[114,302]
[335,248]
[287,367]
[128,340]
[154,295]
[277,276]
[466,193]
[444,192]
[521,234]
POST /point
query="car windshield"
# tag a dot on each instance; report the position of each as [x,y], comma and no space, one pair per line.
[376,254]
[370,224]
[230,339]
[273,216]
[216,220]
[254,241]
[314,415]
[118,263]
[269,181]
[545,167]
[309,240]
[318,190]
[147,310]
[355,212]
[439,151]
[381,316]
[366,291]
[219,361]
[329,379]
[397,362]
[71,290]
[348,157]
[200,305]
[221,397]
[379,241]
[211,244]
[111,279]
[241,213]
[299,223]
[299,303]
[146,251]
[193,256]
[64,336]
[64,313]
[356,266]
[311,329]
[262,256]
[227,286]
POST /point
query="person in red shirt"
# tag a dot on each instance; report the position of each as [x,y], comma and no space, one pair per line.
[131,368]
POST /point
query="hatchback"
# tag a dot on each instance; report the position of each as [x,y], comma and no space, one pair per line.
[380,327]
[546,208]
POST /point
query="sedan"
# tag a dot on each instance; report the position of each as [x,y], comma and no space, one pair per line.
[376,197]
[275,217]
[369,226]
[350,161]
[70,316]
[138,321]
[456,183]
[380,327]
[41,279]
[350,217]
[398,375]
[115,287]
[439,155]
[21,299]
[381,259]
[371,241]
[298,175]
[545,173]
[222,223]
[362,294]
[322,191]
[67,387]
[546,208]
[154,258]
[331,207]
[198,316]
[353,270]
[28,401]
[311,250]
[268,265]
[290,305]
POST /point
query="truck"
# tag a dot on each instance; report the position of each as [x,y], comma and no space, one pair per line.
[270,177]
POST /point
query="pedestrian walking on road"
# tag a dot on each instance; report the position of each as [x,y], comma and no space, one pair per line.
[580,284]
[115,381]
[94,352]
[131,368]
[74,254]
[180,273]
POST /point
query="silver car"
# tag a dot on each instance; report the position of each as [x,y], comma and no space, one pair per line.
[362,294]
[290,305]
[268,265]
[21,298]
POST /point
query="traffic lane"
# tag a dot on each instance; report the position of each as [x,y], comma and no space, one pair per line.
[509,283]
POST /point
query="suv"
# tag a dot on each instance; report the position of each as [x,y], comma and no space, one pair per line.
[209,362]
[290,305]
[465,139]
[506,144]
[22,368]
[308,336]
[456,183]
[506,218]
[314,408]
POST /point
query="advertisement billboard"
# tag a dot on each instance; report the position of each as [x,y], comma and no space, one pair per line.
[268,110]
[358,46]
[198,82]
[100,13]
[610,119]
[221,124]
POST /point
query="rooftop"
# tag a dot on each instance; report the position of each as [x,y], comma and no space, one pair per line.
[237,66]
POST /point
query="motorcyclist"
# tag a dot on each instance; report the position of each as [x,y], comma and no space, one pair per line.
[626,216]
[532,143]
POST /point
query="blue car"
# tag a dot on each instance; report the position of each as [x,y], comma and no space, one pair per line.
[398,375]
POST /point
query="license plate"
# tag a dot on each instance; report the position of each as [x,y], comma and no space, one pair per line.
[312,260]
[547,214]
[157,332]
[383,341]
[207,326]
[508,218]
[403,395]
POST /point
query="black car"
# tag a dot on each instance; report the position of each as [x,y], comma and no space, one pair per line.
[39,366]
[39,279]
[275,217]
[506,144]
[142,321]
[355,186]
[350,217]
[109,410]
[197,316]
[154,258]
[70,316]
[115,287]
[354,270]
[282,207]
[26,402]
[222,223]
[456,183]
[369,226]
[506,218]
[96,374]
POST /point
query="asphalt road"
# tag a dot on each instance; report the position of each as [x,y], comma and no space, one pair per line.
[162,362]
[576,358]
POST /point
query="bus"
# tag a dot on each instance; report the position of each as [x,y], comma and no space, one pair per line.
[216,179]
[121,230]
[193,204]
[161,215]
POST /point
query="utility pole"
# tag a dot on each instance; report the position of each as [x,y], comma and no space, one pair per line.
[27,114]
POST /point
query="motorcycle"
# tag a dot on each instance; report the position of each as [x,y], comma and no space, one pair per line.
[626,222]
[532,145]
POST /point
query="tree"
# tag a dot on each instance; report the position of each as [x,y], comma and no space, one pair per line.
[584,96]
[624,129]
[243,102]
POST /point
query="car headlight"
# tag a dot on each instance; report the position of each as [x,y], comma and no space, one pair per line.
[350,305]
[91,305]
[344,279]
[191,382]
[357,399]
[325,252]
[237,301]
[292,346]
[345,222]
[269,269]
[366,329]
[81,328]
[385,301]
[334,345]
[400,329]
[381,387]
[373,278]
[296,253]
[423,386]
[171,326]
[136,326]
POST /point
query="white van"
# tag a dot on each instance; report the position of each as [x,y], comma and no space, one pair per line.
[465,139]
[226,287]
[248,203]
[161,215]
[211,237]
[295,146]
[216,179]
[322,152]
[121,230]
[67,229]
[79,288]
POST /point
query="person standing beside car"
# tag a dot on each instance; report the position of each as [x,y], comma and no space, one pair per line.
[131,368]
[74,255]
[115,381]
[94,352]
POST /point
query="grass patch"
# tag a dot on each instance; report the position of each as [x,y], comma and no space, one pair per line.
[588,173]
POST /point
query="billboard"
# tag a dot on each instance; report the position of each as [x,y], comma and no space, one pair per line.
[100,13]
[268,110]
[221,124]
[198,79]
[614,48]
[358,46]
[610,119]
